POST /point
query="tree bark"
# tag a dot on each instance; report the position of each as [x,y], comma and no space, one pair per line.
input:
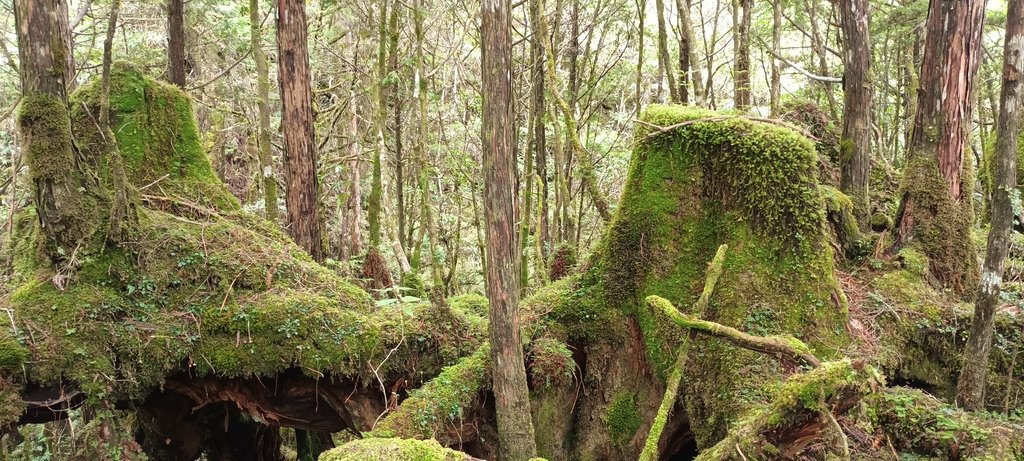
[935,212]
[301,182]
[641,10]
[538,137]
[971,386]
[508,375]
[685,51]
[263,104]
[664,62]
[176,42]
[858,95]
[741,43]
[776,83]
[65,191]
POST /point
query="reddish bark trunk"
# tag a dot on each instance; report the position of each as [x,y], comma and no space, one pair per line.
[301,182]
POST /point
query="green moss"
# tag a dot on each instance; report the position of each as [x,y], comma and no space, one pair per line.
[550,364]
[916,422]
[439,403]
[880,222]
[157,137]
[389,449]
[12,353]
[201,287]
[469,303]
[623,418]
[942,225]
[720,179]
[798,399]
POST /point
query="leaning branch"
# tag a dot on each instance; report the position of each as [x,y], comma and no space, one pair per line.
[783,345]
[650,451]
[805,72]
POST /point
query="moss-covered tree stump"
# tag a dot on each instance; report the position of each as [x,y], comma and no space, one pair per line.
[203,303]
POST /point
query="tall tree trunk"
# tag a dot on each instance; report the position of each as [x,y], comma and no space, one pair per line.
[776,83]
[176,42]
[538,107]
[971,387]
[122,216]
[65,192]
[818,45]
[858,95]
[508,375]
[685,51]
[263,104]
[935,212]
[586,165]
[427,220]
[641,12]
[741,49]
[302,189]
[686,23]
[354,205]
[664,62]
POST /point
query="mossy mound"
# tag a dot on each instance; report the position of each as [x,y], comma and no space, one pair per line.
[919,425]
[202,287]
[926,332]
[752,186]
[388,449]
[701,180]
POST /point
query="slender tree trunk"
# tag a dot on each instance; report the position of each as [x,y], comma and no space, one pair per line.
[858,95]
[508,375]
[263,103]
[685,51]
[354,205]
[971,387]
[586,166]
[641,12]
[664,62]
[741,44]
[373,211]
[176,42]
[538,109]
[301,182]
[935,212]
[776,83]
[818,45]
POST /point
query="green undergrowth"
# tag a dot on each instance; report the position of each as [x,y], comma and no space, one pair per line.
[201,287]
[926,331]
[920,425]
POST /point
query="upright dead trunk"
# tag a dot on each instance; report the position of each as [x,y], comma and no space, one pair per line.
[508,374]
[263,104]
[664,62]
[176,42]
[741,48]
[971,387]
[935,213]
[301,183]
[66,204]
[858,95]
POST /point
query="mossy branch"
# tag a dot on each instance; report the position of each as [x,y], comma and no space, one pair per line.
[650,451]
[784,345]
[429,410]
